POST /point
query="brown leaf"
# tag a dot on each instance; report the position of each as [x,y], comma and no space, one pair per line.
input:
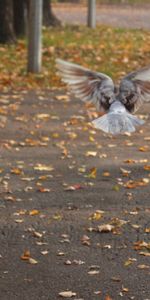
[108,298]
[26,255]
[73,187]
[43,190]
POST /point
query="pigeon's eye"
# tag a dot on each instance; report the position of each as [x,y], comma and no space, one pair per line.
[129,97]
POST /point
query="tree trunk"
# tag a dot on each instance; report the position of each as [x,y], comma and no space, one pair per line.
[6,22]
[49,18]
[20,17]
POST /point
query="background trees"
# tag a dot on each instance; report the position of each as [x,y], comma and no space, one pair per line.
[14,18]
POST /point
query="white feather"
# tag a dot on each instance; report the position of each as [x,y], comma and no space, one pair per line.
[117,120]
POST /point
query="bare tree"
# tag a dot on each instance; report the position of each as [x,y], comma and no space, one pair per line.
[14,18]
[20,8]
[49,18]
[7,34]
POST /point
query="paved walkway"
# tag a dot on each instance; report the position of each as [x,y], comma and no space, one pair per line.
[118,16]
[74,204]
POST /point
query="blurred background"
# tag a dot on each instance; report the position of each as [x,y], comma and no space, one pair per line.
[113,12]
[112,36]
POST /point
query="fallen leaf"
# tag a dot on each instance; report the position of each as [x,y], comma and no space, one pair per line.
[108,298]
[73,187]
[62,98]
[97,292]
[26,255]
[85,240]
[57,217]
[129,161]
[33,212]
[16,171]
[147,167]
[93,173]
[106,174]
[143,267]
[32,261]
[105,228]
[128,262]
[144,149]
[125,172]
[96,216]
[42,167]
[144,253]
[93,272]
[45,252]
[44,190]
[37,234]
[124,289]
[91,153]
[67,294]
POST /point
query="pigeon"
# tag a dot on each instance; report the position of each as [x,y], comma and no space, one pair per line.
[119,103]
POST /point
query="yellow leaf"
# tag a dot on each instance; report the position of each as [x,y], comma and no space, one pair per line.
[32,261]
[16,171]
[57,217]
[96,215]
[144,149]
[91,153]
[42,167]
[93,173]
[128,263]
[106,174]
[34,212]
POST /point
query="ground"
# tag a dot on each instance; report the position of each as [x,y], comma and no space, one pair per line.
[125,16]
[74,210]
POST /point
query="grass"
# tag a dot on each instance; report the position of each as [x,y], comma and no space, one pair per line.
[113,51]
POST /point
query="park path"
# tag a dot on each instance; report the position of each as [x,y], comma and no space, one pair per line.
[74,202]
[120,16]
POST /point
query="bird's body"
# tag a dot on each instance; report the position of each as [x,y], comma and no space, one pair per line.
[117,120]
[118,103]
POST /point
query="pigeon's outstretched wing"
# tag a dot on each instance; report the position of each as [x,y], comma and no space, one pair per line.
[135,89]
[87,85]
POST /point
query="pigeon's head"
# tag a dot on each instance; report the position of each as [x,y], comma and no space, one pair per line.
[107,95]
[126,91]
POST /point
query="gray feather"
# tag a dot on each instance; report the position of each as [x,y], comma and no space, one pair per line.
[87,85]
[135,89]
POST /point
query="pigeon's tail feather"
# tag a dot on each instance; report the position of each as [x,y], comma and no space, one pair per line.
[116,123]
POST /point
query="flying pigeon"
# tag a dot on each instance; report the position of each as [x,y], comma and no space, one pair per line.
[118,103]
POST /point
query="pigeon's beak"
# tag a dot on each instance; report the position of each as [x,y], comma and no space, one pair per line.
[113,99]
[121,98]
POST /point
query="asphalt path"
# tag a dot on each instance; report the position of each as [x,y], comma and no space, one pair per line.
[74,205]
[123,16]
